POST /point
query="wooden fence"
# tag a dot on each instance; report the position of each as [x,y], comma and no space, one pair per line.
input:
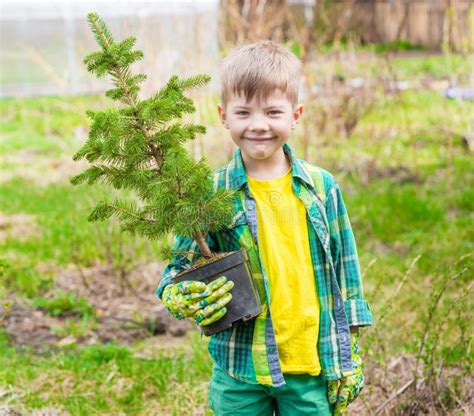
[431,23]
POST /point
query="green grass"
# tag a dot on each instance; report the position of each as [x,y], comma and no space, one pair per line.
[106,379]
[61,212]
[63,303]
[45,125]
[454,67]
[394,221]
[401,45]
[440,66]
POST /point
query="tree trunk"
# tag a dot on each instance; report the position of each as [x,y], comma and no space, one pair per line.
[201,242]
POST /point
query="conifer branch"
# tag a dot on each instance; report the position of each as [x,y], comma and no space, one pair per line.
[100,30]
[104,38]
[139,146]
[132,214]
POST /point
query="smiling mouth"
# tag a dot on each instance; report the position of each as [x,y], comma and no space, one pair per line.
[263,139]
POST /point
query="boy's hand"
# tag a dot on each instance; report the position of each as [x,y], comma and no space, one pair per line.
[198,301]
[344,391]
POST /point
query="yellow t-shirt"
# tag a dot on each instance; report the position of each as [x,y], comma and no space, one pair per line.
[284,248]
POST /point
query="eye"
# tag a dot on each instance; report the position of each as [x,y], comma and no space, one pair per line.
[241,113]
[274,112]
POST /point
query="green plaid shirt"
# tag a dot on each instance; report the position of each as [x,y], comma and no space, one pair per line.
[248,351]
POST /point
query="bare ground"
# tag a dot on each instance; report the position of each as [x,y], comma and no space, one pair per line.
[127,310]
[19,226]
[390,391]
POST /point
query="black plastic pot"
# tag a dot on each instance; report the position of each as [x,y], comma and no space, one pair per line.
[245,303]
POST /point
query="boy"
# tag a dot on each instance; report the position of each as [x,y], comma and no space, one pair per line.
[300,356]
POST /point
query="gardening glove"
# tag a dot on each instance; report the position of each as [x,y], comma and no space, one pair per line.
[344,391]
[186,298]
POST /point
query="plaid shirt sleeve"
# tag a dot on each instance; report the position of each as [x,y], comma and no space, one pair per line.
[188,253]
[346,261]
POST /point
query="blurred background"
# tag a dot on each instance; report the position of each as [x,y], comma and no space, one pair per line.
[388,90]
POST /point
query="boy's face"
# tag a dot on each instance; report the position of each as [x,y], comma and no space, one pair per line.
[260,128]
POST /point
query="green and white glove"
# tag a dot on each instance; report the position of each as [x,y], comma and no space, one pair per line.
[204,304]
[344,391]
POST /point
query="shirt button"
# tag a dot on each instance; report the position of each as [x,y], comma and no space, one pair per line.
[250,207]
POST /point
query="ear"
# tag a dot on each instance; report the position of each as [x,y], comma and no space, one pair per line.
[297,114]
[222,116]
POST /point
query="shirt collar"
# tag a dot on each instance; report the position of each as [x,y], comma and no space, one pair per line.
[237,177]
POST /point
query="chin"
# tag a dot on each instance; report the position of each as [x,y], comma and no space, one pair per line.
[261,155]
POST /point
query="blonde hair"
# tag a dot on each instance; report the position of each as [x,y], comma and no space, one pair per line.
[258,69]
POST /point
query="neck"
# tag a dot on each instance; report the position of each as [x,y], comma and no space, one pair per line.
[273,167]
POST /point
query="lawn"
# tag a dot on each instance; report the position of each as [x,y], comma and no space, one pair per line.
[406,173]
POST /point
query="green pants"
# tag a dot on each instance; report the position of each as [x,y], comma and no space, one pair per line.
[301,395]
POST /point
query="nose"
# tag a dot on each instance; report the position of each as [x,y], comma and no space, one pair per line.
[258,123]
